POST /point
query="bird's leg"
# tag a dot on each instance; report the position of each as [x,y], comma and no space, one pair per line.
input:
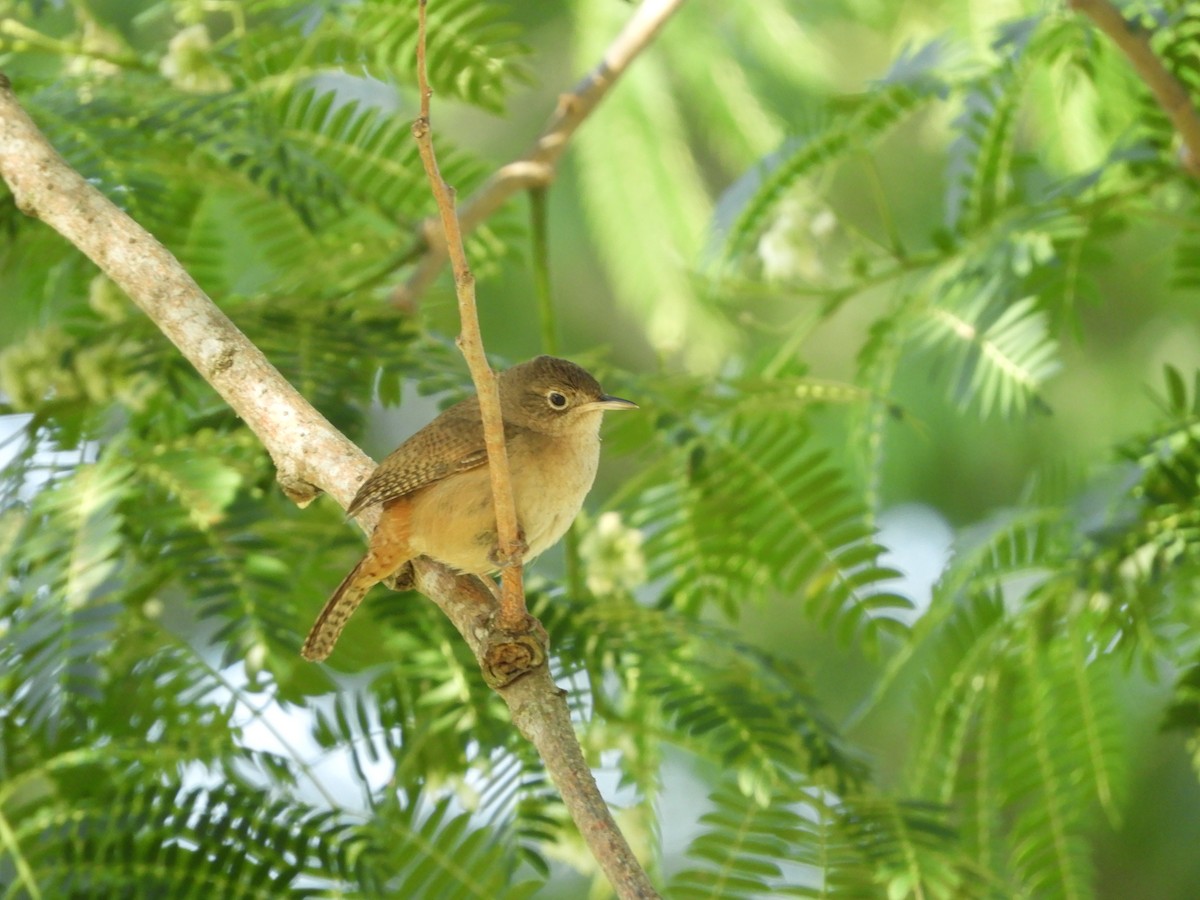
[491,585]
[403,579]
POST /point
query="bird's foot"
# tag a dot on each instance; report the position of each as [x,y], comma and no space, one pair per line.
[403,579]
[499,559]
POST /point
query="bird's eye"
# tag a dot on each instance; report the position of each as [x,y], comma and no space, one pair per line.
[557,400]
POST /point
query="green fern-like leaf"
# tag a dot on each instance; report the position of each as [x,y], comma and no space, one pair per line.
[289,257]
[442,721]
[1183,715]
[1010,554]
[96,139]
[964,650]
[1177,42]
[1186,271]
[739,852]
[1049,853]
[835,847]
[519,798]
[474,52]
[431,728]
[61,614]
[169,718]
[237,581]
[171,841]
[1145,557]
[372,154]
[1000,353]
[692,44]
[437,854]
[981,155]
[761,513]
[907,848]
[986,672]
[231,552]
[842,131]
[749,713]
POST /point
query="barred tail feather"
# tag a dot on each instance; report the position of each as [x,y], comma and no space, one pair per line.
[336,612]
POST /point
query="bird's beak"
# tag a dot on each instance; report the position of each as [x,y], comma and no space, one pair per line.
[609,402]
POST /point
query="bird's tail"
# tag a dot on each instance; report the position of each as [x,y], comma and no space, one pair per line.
[337,611]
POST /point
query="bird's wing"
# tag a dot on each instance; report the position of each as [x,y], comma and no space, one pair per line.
[453,442]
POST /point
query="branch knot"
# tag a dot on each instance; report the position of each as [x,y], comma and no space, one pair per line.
[510,656]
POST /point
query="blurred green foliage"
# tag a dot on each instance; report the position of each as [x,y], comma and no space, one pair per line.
[848,257]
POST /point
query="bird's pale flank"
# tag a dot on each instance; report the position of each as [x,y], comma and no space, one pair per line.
[436,493]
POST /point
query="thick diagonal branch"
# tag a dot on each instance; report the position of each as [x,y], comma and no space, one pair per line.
[309,453]
[1170,93]
[537,167]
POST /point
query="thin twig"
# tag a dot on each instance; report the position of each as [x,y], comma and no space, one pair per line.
[310,454]
[538,707]
[537,168]
[1170,93]
[513,616]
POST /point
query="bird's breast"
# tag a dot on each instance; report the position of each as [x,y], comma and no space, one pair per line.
[550,494]
[454,521]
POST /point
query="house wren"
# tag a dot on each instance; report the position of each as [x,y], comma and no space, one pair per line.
[436,489]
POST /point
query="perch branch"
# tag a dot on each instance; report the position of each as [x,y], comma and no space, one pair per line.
[537,168]
[539,711]
[513,615]
[1170,93]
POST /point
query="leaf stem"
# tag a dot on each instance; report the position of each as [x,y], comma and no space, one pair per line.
[8,838]
[539,239]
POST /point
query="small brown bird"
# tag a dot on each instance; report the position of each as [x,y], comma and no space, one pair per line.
[436,489]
